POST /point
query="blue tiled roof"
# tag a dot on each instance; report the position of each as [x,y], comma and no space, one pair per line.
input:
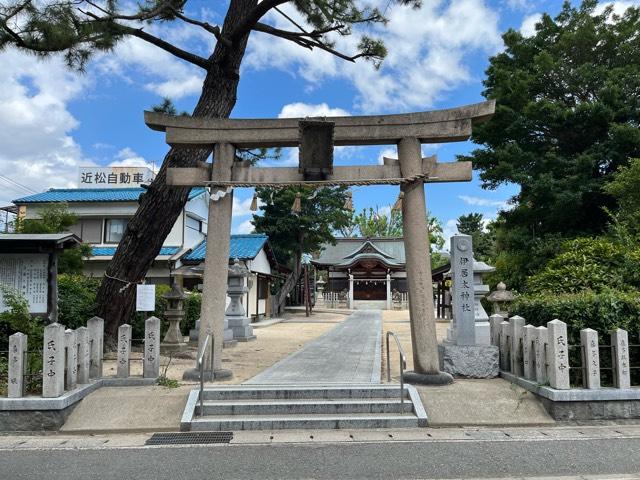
[243,247]
[110,251]
[92,195]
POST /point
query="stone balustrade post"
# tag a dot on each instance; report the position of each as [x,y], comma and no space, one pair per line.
[505,364]
[590,358]
[540,354]
[151,364]
[528,352]
[17,364]
[84,354]
[71,344]
[53,361]
[494,323]
[620,344]
[516,324]
[558,355]
[124,351]
[96,340]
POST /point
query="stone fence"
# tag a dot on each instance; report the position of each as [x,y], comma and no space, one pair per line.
[542,354]
[73,358]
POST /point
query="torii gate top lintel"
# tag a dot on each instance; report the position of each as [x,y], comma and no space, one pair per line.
[436,126]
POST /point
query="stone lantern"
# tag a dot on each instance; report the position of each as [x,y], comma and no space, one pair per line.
[320,293]
[500,298]
[235,315]
[173,339]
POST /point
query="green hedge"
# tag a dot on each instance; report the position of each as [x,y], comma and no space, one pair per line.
[603,311]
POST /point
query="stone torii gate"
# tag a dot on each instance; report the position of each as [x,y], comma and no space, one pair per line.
[316,138]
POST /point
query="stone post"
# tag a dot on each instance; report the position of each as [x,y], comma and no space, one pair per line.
[620,343]
[558,355]
[151,362]
[96,339]
[494,322]
[540,353]
[214,292]
[590,358]
[84,354]
[528,352]
[53,361]
[516,324]
[505,363]
[418,262]
[17,364]
[124,350]
[389,298]
[350,299]
[462,296]
[71,344]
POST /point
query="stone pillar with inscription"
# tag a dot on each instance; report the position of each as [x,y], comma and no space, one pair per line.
[528,352]
[461,354]
[17,365]
[494,324]
[505,362]
[124,351]
[95,326]
[53,359]
[516,324]
[591,358]
[539,346]
[350,298]
[389,297]
[84,354]
[558,355]
[71,344]
[151,361]
[620,343]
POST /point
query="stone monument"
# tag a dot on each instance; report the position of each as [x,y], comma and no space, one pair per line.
[466,352]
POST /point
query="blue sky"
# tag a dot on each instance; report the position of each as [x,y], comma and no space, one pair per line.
[53,120]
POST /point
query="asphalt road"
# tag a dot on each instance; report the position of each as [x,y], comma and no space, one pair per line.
[330,461]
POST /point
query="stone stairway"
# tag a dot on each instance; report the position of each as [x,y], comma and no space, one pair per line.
[269,407]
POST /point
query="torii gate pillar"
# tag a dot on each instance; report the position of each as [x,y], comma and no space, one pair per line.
[418,262]
[214,292]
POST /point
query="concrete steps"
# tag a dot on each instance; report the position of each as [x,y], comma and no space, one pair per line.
[303,407]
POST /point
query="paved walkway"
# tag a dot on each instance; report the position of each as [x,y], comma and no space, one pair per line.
[349,353]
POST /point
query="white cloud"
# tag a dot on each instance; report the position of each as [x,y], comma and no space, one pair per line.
[528,27]
[244,227]
[301,110]
[35,124]
[242,208]
[129,158]
[484,202]
[428,53]
[519,4]
[618,7]
[449,229]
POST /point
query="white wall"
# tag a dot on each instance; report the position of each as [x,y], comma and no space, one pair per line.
[260,264]
[176,235]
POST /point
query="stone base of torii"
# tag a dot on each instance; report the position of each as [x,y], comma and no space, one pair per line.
[316,138]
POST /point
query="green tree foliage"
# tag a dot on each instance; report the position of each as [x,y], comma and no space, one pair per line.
[291,234]
[371,222]
[16,318]
[566,119]
[76,299]
[625,187]
[473,224]
[595,264]
[56,218]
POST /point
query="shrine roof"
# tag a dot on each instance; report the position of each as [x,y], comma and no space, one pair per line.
[242,247]
[346,250]
[36,242]
[56,195]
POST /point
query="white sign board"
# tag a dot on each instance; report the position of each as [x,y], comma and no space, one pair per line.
[145,298]
[28,274]
[113,177]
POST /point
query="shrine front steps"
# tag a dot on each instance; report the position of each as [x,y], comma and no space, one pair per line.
[304,407]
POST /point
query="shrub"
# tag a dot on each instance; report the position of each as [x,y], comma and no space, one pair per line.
[192,307]
[16,318]
[138,318]
[602,311]
[594,264]
[76,299]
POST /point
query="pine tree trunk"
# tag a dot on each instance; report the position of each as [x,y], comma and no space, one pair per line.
[161,204]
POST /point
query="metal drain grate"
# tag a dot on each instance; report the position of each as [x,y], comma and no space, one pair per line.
[189,438]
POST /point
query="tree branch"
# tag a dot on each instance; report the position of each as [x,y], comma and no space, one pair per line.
[213,29]
[253,17]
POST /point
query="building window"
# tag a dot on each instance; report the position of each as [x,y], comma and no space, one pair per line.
[114,229]
[194,224]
